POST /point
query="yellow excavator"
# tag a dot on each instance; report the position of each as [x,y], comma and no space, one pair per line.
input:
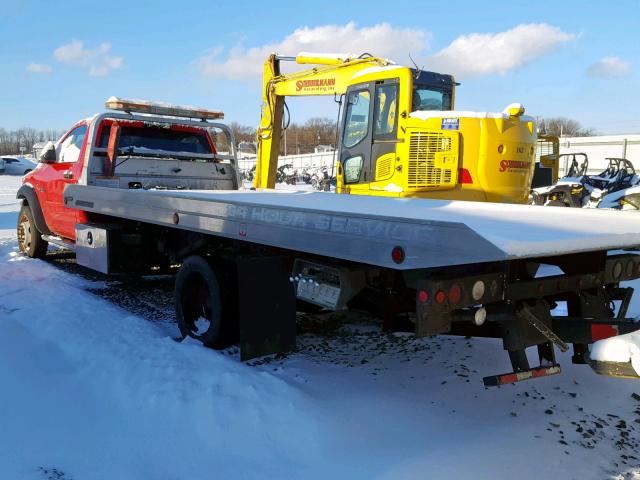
[399,133]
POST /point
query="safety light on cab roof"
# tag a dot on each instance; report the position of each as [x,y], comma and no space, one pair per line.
[157,108]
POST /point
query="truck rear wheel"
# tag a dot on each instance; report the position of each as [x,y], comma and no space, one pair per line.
[30,240]
[203,312]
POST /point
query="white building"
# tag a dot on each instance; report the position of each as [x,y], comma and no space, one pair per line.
[600,147]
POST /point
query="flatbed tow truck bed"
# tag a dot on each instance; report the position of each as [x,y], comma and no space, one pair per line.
[433,233]
[464,268]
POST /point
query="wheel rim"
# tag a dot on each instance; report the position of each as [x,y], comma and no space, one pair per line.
[24,233]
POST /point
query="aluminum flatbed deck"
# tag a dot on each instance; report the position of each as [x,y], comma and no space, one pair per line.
[433,233]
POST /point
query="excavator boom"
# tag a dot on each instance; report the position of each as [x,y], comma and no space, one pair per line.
[332,77]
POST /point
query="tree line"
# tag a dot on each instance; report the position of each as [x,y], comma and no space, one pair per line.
[563,127]
[11,141]
[300,138]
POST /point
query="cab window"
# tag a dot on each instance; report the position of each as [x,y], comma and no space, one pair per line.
[425,98]
[72,144]
[357,124]
[385,111]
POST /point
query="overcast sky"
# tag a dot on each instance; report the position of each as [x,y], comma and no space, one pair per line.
[59,61]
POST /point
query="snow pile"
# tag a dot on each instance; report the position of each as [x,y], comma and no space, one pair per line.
[91,391]
[621,349]
[105,394]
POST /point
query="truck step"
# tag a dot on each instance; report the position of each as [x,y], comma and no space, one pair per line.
[59,242]
[513,377]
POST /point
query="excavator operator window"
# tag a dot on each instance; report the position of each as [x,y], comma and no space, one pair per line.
[427,98]
[357,124]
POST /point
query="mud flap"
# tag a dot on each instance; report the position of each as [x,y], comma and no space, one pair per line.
[266,306]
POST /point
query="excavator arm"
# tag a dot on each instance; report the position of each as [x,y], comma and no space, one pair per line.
[330,77]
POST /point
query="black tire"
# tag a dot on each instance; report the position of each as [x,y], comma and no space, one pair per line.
[26,171]
[204,308]
[30,239]
[306,307]
[556,203]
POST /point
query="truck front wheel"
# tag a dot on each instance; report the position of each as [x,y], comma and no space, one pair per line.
[30,240]
[202,312]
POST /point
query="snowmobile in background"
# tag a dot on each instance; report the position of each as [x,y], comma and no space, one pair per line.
[572,190]
[286,174]
[247,175]
[322,180]
[619,174]
[616,187]
[306,175]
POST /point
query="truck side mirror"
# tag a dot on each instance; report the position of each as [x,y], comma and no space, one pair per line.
[48,153]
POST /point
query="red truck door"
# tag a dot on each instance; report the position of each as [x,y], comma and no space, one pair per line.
[67,169]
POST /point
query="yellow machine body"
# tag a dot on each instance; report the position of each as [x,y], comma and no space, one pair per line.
[391,145]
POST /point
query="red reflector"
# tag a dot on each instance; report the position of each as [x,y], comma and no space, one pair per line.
[440,297]
[455,293]
[397,254]
[464,176]
[423,296]
[600,331]
[506,378]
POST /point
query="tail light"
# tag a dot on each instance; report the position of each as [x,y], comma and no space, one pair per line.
[477,292]
[629,268]
[465,176]
[397,254]
[479,316]
[617,270]
[455,294]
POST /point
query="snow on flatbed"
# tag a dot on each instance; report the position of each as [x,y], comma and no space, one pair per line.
[89,390]
[517,230]
[364,228]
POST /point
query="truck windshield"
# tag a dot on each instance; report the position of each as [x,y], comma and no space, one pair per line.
[140,139]
[428,98]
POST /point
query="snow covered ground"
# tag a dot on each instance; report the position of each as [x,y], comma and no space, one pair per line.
[94,386]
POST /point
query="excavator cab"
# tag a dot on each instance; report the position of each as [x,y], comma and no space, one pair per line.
[369,135]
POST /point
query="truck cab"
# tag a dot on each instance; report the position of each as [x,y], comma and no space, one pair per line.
[140,145]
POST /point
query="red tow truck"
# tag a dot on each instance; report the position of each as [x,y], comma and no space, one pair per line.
[151,188]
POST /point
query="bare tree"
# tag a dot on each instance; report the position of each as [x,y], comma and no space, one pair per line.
[11,142]
[562,126]
[305,138]
[242,133]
